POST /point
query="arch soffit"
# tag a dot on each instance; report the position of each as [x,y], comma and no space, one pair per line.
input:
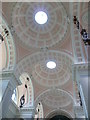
[9,43]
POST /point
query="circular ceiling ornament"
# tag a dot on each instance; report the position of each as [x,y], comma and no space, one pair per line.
[50,27]
[55,98]
[41,17]
[35,64]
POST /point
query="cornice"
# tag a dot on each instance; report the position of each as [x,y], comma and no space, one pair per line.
[81,66]
[9,75]
[6,74]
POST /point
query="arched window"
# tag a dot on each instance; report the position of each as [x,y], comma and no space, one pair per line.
[14,96]
[39,111]
[24,91]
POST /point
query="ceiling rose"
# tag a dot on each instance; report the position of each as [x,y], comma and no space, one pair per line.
[40,24]
[41,17]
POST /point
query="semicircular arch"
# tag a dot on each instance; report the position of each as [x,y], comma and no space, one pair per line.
[7,47]
[55,98]
[59,112]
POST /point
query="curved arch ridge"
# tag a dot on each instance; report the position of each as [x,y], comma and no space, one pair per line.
[9,47]
[54,98]
[59,112]
[39,111]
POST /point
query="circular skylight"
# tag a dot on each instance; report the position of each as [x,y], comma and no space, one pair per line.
[51,65]
[41,17]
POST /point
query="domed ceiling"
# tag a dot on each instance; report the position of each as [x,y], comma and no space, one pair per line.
[50,85]
[36,65]
[55,98]
[37,35]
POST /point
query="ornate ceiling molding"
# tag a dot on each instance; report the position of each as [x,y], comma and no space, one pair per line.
[33,34]
[35,64]
[55,98]
[10,46]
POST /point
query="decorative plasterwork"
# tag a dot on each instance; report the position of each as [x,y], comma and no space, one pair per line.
[9,44]
[35,35]
[55,98]
[36,65]
[85,18]
[78,50]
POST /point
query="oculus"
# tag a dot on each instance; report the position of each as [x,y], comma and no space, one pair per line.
[41,17]
[51,65]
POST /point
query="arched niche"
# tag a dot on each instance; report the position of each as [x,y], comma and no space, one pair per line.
[26,89]
[7,47]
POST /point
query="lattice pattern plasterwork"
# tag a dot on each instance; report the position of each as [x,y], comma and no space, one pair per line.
[55,98]
[49,77]
[33,34]
[41,74]
[10,46]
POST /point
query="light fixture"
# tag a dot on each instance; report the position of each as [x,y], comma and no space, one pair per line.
[41,17]
[51,65]
[83,31]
